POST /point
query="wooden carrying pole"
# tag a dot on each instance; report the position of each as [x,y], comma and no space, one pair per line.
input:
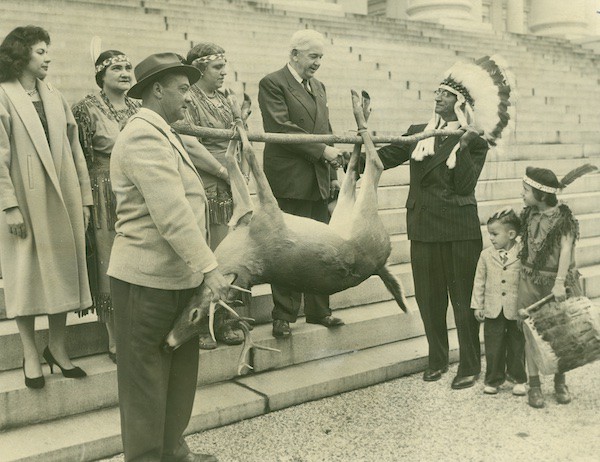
[288,138]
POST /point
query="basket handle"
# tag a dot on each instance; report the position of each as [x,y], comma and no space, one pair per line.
[525,311]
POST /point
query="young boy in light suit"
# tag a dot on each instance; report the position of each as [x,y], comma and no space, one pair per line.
[495,303]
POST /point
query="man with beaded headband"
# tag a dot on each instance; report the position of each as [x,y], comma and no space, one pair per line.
[442,220]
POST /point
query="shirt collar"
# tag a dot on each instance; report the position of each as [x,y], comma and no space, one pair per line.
[452,125]
[512,250]
[154,118]
[295,74]
[548,212]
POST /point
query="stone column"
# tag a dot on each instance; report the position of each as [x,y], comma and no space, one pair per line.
[396,9]
[477,10]
[440,10]
[558,18]
[496,11]
[515,16]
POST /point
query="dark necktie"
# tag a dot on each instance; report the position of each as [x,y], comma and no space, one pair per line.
[307,88]
[444,126]
[503,256]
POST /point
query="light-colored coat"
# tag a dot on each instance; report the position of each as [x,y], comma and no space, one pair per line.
[45,273]
[495,286]
[161,209]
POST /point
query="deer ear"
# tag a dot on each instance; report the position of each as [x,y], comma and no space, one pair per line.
[194,315]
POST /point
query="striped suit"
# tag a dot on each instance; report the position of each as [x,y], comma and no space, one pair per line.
[443,227]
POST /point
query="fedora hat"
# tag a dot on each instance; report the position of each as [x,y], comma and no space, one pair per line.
[156,65]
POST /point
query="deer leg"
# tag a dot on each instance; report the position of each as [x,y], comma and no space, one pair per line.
[367,197]
[242,202]
[265,195]
[347,196]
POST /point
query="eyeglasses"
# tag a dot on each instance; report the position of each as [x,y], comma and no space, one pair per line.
[441,92]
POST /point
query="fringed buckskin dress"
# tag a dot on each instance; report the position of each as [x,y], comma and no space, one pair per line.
[99,125]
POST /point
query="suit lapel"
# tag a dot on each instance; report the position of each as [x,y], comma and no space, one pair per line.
[298,91]
[174,140]
[322,119]
[177,144]
[32,123]
[442,152]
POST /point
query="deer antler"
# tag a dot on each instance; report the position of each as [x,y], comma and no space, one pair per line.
[248,345]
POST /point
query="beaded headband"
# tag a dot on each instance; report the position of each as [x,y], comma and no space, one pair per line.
[455,87]
[110,61]
[208,58]
[540,186]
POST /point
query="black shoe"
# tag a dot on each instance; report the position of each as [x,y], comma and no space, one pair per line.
[75,373]
[432,375]
[112,356]
[327,321]
[458,383]
[535,397]
[562,393]
[229,336]
[281,328]
[35,383]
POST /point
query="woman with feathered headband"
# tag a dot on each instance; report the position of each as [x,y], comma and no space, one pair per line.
[100,117]
[210,108]
[442,220]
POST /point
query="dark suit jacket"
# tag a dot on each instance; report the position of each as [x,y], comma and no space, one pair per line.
[295,171]
[441,203]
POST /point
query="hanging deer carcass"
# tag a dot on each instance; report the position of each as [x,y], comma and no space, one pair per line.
[269,246]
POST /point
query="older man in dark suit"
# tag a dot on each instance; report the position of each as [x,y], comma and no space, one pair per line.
[301,175]
[159,257]
[443,227]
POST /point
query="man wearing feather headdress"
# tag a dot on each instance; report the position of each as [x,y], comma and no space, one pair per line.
[442,221]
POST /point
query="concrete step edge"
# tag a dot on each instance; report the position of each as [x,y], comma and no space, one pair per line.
[94,435]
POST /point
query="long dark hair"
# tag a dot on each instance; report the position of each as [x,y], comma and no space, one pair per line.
[104,55]
[15,50]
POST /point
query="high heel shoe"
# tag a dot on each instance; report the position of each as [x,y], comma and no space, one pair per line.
[75,373]
[36,383]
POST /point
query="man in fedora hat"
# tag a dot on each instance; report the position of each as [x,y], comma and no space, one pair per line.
[159,257]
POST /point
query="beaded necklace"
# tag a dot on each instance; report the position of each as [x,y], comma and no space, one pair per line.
[220,109]
[121,115]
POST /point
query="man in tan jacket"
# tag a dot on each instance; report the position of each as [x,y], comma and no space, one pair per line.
[159,257]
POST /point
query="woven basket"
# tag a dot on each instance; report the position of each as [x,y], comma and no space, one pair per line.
[563,336]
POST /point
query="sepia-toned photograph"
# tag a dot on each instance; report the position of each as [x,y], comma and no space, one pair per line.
[299,231]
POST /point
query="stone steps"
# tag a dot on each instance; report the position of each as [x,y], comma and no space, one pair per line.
[94,435]
[308,343]
[556,128]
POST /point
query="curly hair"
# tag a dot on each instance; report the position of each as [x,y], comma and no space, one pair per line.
[202,49]
[506,217]
[15,50]
[101,57]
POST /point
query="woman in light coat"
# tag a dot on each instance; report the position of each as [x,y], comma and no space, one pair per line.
[45,197]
